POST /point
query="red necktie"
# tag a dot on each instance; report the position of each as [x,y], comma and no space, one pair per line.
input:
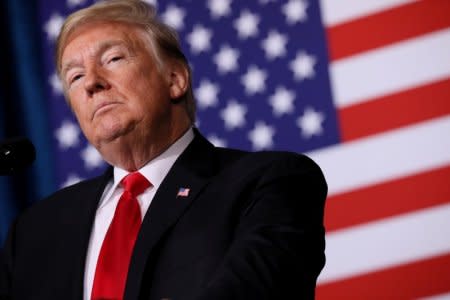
[114,258]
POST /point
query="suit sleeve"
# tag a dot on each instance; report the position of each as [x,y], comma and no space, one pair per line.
[278,250]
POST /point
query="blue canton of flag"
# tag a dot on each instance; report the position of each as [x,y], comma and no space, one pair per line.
[260,78]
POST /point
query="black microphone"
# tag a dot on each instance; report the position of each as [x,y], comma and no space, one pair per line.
[16,154]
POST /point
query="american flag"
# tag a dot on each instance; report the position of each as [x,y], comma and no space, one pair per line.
[363,87]
[183,192]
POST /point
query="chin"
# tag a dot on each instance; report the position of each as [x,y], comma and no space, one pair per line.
[112,137]
[110,130]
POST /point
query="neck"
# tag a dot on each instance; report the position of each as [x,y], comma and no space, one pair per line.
[134,151]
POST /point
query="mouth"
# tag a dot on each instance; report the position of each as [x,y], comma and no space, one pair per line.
[103,107]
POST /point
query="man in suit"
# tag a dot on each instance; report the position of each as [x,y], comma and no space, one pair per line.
[173,217]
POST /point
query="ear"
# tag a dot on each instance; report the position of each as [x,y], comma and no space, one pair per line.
[179,80]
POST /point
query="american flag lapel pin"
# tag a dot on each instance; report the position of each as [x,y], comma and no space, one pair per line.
[183,192]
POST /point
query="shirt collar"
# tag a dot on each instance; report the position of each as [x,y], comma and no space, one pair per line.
[155,170]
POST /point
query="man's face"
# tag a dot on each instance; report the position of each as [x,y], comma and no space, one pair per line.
[114,84]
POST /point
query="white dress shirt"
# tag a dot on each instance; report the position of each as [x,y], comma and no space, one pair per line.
[155,171]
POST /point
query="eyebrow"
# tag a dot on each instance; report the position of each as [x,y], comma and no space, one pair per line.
[102,47]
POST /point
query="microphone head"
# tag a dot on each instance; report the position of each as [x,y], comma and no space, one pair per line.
[16,154]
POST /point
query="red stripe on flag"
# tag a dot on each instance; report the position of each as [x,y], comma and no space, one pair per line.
[417,279]
[387,27]
[395,110]
[388,199]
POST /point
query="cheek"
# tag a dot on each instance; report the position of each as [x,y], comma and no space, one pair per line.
[78,109]
[81,113]
[85,125]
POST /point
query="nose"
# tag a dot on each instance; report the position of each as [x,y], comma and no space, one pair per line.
[95,82]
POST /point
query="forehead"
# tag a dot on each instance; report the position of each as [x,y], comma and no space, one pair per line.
[96,35]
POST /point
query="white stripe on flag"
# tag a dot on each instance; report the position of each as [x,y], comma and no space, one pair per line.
[445,296]
[387,243]
[382,157]
[391,69]
[334,12]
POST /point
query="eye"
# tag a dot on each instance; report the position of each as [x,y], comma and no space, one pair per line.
[75,78]
[115,58]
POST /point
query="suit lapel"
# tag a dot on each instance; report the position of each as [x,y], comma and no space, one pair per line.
[192,171]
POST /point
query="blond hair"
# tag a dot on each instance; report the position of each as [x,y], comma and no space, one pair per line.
[164,40]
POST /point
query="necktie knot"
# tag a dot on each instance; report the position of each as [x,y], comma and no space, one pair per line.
[135,183]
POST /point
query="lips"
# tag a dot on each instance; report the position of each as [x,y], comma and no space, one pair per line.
[103,106]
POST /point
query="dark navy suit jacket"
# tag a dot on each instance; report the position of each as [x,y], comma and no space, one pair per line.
[250,228]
